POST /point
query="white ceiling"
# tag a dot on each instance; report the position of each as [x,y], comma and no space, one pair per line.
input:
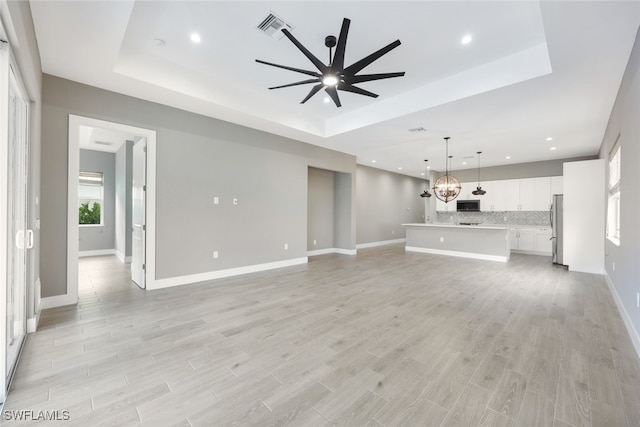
[533,70]
[103,139]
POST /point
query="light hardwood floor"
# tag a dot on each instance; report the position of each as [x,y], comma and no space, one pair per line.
[383,338]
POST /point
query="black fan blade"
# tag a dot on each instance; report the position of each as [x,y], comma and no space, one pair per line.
[297,70]
[319,65]
[350,88]
[303,82]
[333,93]
[338,57]
[312,92]
[356,67]
[369,77]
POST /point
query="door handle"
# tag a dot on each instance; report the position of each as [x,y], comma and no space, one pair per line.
[29,239]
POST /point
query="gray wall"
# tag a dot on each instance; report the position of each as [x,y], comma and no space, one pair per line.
[344,214]
[320,209]
[17,15]
[93,238]
[624,122]
[197,158]
[123,223]
[519,170]
[385,200]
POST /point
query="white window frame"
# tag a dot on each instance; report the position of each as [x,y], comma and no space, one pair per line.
[613,200]
[85,199]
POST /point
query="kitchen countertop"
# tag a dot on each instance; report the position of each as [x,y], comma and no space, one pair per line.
[448,225]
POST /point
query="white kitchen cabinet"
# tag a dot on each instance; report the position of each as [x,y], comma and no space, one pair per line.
[513,239]
[486,201]
[521,239]
[465,192]
[542,240]
[498,196]
[527,194]
[542,193]
[556,185]
[445,207]
[512,194]
[525,239]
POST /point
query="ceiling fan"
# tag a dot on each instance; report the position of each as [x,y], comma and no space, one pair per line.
[336,76]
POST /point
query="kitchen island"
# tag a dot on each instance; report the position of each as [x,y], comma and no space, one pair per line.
[467,241]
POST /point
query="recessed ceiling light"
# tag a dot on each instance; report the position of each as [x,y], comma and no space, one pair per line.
[464,163]
[422,173]
[428,167]
[400,168]
[466,39]
[549,138]
[195,38]
[373,161]
[508,157]
[327,100]
[552,148]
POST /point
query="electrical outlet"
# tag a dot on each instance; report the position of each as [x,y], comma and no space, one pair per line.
[235,201]
[393,231]
[442,240]
[215,254]
[216,201]
[505,219]
[613,265]
[286,246]
[314,242]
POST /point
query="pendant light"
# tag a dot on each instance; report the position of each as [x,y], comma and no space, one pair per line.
[447,187]
[479,191]
[425,193]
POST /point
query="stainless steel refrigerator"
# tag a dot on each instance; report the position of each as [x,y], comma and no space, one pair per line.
[556,229]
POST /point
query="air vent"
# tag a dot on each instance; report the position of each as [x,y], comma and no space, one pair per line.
[103,143]
[418,129]
[273,25]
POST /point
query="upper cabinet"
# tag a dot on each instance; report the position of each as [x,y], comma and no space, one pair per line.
[556,185]
[542,194]
[527,194]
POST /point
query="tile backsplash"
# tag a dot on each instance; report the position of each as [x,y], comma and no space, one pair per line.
[509,217]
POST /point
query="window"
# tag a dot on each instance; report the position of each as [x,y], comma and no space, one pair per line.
[90,198]
[613,208]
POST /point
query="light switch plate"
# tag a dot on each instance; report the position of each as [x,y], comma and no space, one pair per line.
[216,201]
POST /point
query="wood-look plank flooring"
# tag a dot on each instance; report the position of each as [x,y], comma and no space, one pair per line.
[383,338]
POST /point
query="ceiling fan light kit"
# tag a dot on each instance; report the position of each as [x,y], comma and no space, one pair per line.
[335,76]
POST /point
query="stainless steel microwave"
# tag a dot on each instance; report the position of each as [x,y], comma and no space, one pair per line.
[468,206]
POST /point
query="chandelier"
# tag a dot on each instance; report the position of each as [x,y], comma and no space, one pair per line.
[425,193]
[447,187]
[479,191]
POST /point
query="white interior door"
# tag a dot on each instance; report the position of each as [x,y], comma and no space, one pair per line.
[138,259]
[19,238]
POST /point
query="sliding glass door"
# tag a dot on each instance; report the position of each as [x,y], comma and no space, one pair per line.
[19,238]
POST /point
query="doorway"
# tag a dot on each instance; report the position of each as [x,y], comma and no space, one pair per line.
[144,170]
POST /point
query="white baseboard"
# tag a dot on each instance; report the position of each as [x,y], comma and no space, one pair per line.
[122,258]
[458,254]
[220,274]
[57,301]
[99,252]
[381,243]
[32,323]
[633,333]
[332,251]
[515,251]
